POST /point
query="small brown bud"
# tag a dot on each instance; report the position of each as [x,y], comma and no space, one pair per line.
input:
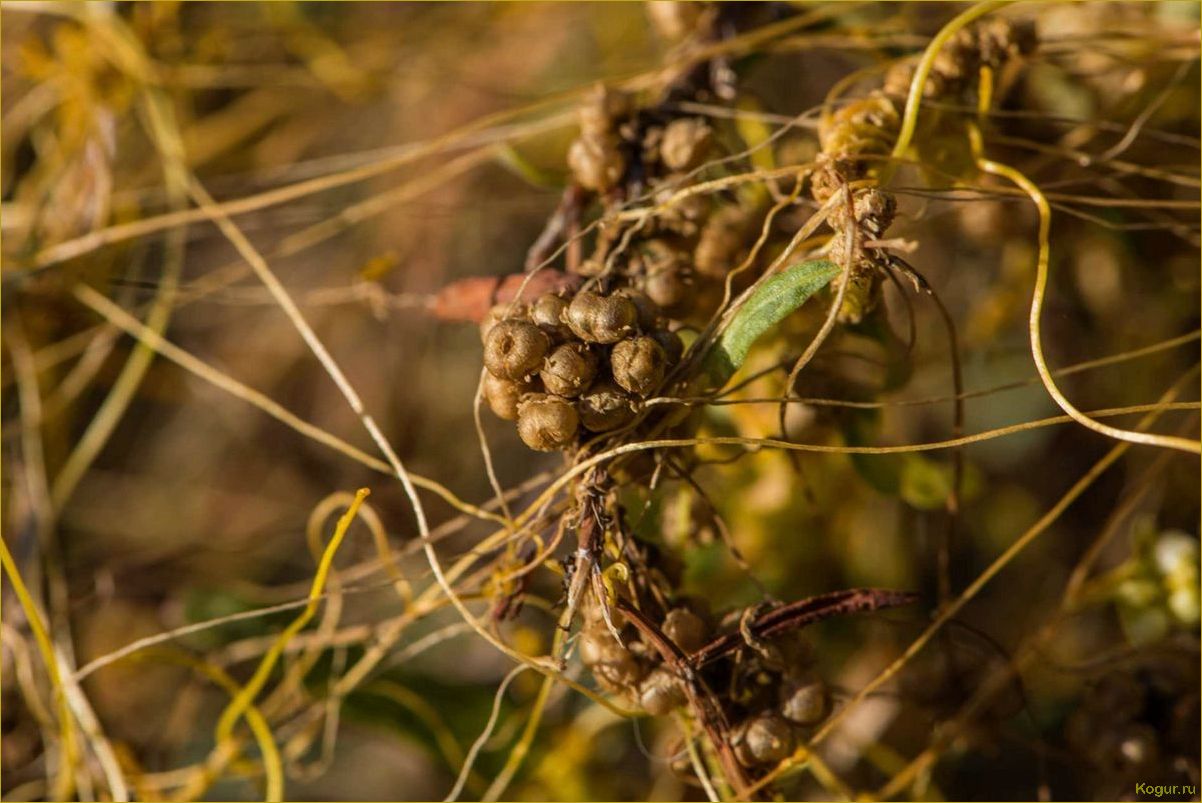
[569,370]
[596,162]
[609,660]
[686,629]
[667,279]
[601,319]
[515,349]
[805,703]
[686,143]
[498,313]
[547,423]
[547,313]
[661,692]
[764,739]
[648,311]
[671,343]
[638,365]
[503,395]
[602,109]
[605,407]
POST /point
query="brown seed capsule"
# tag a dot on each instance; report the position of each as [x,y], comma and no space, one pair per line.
[609,660]
[602,109]
[686,629]
[515,349]
[764,739]
[686,143]
[647,310]
[805,703]
[596,162]
[661,692]
[638,365]
[547,423]
[723,237]
[503,395]
[605,407]
[601,319]
[670,285]
[499,313]
[569,370]
[547,314]
[671,343]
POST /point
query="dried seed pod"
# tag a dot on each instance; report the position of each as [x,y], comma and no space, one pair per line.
[661,692]
[638,365]
[764,739]
[547,313]
[671,343]
[805,703]
[498,313]
[547,423]
[667,279]
[503,395]
[609,660]
[569,370]
[602,109]
[605,407]
[515,349]
[596,162]
[601,319]
[686,629]
[686,143]
[723,237]
[671,287]
[648,311]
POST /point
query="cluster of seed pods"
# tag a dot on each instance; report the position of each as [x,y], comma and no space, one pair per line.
[771,694]
[683,252]
[571,363]
[578,362]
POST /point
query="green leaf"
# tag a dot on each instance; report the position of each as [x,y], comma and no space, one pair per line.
[775,299]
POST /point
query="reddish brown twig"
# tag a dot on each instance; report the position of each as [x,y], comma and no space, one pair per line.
[705,707]
[796,615]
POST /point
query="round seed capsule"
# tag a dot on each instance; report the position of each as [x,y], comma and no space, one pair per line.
[685,143]
[763,739]
[503,395]
[596,162]
[602,109]
[569,370]
[638,365]
[648,311]
[671,343]
[661,692]
[601,319]
[686,629]
[515,349]
[547,314]
[605,406]
[547,423]
[805,703]
[497,314]
[668,281]
[609,660]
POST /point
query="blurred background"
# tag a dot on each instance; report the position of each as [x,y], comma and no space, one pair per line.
[376,153]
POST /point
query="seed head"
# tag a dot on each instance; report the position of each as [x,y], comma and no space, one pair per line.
[547,423]
[638,364]
[601,319]
[605,407]
[569,370]
[515,349]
